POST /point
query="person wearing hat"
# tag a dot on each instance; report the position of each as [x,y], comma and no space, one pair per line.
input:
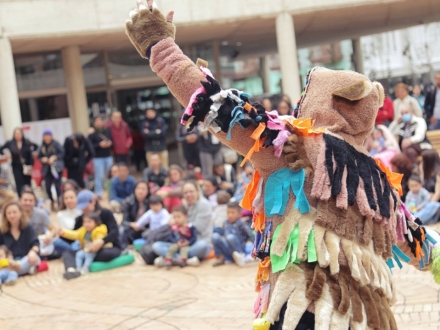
[154,131]
[87,202]
[51,155]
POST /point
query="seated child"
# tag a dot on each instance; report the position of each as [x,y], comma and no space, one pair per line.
[155,217]
[230,244]
[417,196]
[378,142]
[91,230]
[183,235]
[7,275]
[221,210]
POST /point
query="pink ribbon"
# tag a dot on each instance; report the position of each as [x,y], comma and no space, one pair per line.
[278,143]
[189,110]
[274,122]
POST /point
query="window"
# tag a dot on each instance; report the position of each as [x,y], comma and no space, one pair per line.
[36,72]
[42,108]
[94,69]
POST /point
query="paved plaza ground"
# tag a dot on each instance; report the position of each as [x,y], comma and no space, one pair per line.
[144,297]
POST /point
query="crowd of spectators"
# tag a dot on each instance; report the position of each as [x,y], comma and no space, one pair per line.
[180,215]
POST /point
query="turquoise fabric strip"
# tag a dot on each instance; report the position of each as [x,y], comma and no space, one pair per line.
[237,115]
[431,239]
[400,254]
[277,190]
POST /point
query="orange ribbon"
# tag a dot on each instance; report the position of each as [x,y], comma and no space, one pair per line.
[395,179]
[304,126]
[262,273]
[251,192]
[259,222]
[258,143]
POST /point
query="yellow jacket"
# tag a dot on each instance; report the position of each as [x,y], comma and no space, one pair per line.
[98,233]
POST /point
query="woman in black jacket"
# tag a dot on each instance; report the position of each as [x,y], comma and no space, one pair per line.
[21,154]
[87,203]
[77,153]
[134,206]
[51,155]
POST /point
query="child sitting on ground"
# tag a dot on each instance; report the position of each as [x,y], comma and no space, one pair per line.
[221,210]
[7,275]
[91,230]
[183,235]
[156,216]
[378,142]
[417,196]
[229,245]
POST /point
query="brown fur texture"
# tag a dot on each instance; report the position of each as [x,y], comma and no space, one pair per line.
[350,224]
[335,291]
[298,302]
[352,121]
[355,91]
[295,153]
[388,253]
[344,281]
[321,249]
[356,302]
[340,321]
[347,247]
[387,310]
[323,309]
[364,274]
[378,239]
[379,87]
[370,307]
[360,325]
[305,225]
[366,261]
[291,220]
[383,316]
[282,291]
[170,64]
[332,242]
[314,291]
[147,28]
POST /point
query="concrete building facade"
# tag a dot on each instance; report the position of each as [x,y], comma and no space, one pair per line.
[61,62]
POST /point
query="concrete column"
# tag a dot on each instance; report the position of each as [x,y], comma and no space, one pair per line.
[76,90]
[218,67]
[9,104]
[265,73]
[357,55]
[286,42]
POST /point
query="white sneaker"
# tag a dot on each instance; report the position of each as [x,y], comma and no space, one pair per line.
[194,261]
[84,270]
[33,270]
[239,258]
[159,262]
[248,259]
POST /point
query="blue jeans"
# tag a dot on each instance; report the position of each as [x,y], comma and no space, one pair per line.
[63,246]
[25,266]
[7,275]
[102,168]
[225,246]
[428,214]
[84,259]
[199,249]
[436,126]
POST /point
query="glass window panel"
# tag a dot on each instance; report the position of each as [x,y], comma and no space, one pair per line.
[94,69]
[42,108]
[127,65]
[42,71]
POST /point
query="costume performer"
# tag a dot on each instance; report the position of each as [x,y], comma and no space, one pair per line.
[328,219]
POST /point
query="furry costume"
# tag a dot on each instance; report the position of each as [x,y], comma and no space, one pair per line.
[326,213]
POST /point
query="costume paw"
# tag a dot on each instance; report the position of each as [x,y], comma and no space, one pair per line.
[147,27]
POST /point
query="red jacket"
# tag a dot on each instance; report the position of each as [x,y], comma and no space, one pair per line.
[386,113]
[121,138]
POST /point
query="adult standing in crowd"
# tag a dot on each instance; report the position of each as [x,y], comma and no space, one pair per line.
[20,238]
[155,174]
[200,216]
[284,108]
[210,154]
[267,104]
[404,99]
[102,143]
[411,131]
[171,193]
[121,187]
[432,104]
[154,131]
[121,136]
[88,203]
[77,153]
[190,146]
[22,159]
[51,155]
[385,114]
